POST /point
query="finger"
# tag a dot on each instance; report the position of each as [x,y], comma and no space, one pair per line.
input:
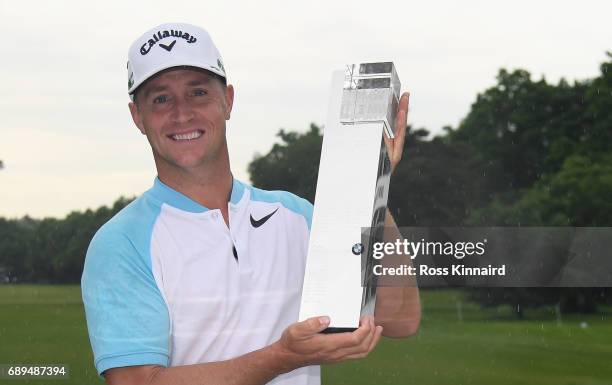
[363,347]
[395,147]
[309,327]
[347,340]
[400,127]
[377,334]
[402,110]
[367,320]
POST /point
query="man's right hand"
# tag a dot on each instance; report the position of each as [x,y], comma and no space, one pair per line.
[303,344]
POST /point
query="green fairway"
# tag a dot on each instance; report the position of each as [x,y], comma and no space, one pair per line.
[46,325]
[487,347]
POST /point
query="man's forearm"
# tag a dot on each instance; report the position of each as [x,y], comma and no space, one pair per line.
[301,344]
[255,368]
[398,308]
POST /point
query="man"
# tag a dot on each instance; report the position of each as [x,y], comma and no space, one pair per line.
[198,281]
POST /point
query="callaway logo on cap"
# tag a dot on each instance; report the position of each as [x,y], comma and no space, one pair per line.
[171,45]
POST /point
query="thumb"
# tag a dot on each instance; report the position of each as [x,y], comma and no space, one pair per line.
[312,326]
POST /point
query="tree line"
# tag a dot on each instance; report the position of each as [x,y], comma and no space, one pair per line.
[50,250]
[528,153]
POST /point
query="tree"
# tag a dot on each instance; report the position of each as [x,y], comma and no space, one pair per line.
[50,250]
[577,195]
[292,164]
[436,183]
[554,161]
[523,129]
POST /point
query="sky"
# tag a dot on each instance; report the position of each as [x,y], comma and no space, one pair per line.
[66,137]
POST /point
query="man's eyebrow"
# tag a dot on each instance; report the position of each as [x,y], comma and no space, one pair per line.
[162,88]
[199,82]
[154,89]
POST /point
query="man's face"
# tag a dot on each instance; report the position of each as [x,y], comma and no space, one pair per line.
[183,112]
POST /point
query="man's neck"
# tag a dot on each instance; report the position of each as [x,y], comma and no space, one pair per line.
[211,186]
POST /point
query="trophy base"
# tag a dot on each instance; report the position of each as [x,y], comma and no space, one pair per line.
[338,330]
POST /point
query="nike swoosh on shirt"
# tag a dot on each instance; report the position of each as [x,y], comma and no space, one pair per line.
[258,222]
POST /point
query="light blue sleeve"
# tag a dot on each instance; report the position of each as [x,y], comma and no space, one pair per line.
[127,317]
[306,208]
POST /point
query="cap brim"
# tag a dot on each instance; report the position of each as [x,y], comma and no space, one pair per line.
[166,66]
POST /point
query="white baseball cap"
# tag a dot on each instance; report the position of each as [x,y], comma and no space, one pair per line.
[171,45]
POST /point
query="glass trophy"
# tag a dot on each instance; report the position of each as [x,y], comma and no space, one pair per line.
[351,196]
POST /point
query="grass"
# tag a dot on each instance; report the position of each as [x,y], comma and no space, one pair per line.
[487,347]
[46,325]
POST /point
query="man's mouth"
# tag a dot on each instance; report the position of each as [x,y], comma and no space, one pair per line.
[187,135]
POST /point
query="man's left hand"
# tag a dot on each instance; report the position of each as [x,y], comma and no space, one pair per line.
[395,147]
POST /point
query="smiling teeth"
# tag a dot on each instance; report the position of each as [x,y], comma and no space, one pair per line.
[188,136]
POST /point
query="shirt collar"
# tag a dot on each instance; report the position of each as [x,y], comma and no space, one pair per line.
[168,195]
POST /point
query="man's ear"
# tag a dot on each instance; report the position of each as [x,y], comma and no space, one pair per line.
[229,101]
[136,117]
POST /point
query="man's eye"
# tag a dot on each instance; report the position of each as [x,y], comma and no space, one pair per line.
[160,99]
[199,92]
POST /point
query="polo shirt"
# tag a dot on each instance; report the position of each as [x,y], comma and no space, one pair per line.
[167,282]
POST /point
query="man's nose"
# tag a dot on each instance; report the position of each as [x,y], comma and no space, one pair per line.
[182,111]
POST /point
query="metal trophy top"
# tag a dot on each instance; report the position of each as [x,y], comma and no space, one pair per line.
[370,94]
